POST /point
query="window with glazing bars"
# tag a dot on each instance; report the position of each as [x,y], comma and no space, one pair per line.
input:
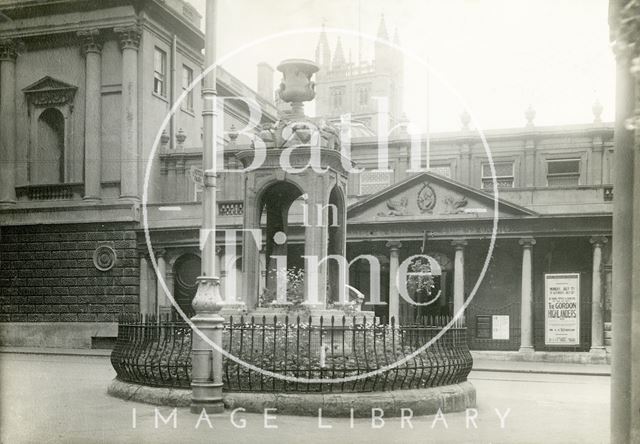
[504,175]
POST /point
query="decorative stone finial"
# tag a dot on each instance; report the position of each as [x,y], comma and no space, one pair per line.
[530,114]
[181,137]
[164,139]
[597,111]
[465,119]
[296,86]
[233,133]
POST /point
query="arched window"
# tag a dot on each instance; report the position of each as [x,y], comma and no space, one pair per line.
[48,162]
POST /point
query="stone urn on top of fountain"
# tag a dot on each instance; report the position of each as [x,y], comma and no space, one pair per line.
[296,86]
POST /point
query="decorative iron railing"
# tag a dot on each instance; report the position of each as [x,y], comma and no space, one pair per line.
[156,353]
[58,191]
[230,208]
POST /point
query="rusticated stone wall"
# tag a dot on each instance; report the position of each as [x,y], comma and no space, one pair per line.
[48,273]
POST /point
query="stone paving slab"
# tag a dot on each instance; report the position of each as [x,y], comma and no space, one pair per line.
[62,399]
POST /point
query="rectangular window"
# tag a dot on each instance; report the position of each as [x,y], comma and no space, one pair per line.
[563,172]
[362,94]
[160,72]
[443,170]
[373,181]
[504,175]
[337,96]
[483,327]
[187,78]
[197,192]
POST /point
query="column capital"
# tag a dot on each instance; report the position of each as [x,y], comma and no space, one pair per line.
[91,41]
[598,241]
[459,244]
[9,49]
[160,253]
[394,245]
[527,242]
[129,36]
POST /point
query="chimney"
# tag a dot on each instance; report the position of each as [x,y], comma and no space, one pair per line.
[265,81]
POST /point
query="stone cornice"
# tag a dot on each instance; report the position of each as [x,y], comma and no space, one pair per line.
[605,130]
[299,157]
[50,213]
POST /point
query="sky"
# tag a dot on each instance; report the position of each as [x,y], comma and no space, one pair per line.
[491,57]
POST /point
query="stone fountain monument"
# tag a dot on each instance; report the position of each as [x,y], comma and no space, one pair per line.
[301,161]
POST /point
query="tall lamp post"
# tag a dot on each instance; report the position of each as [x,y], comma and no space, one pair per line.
[206,381]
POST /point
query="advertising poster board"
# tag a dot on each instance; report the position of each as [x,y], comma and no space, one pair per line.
[562,309]
[500,327]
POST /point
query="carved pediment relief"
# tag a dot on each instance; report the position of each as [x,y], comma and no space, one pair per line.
[49,92]
[428,196]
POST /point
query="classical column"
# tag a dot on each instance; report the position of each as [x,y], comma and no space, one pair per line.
[129,42]
[163,306]
[315,246]
[597,326]
[394,297]
[526,308]
[263,272]
[458,274]
[8,56]
[92,49]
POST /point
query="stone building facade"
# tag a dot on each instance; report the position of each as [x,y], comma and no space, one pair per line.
[82,102]
[84,89]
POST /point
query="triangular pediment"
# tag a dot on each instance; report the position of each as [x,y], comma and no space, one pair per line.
[48,84]
[431,196]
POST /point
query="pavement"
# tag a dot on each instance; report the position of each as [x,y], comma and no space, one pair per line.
[50,397]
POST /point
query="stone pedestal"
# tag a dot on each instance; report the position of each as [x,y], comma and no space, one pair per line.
[206,380]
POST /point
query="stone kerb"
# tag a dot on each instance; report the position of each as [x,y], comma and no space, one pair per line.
[447,399]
